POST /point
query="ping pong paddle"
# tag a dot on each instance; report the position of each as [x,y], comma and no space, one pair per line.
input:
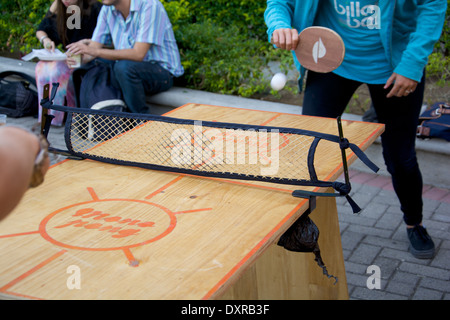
[320,49]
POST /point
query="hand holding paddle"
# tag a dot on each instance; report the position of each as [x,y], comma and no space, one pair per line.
[286,39]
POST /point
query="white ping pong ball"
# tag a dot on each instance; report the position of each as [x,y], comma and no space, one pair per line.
[278,81]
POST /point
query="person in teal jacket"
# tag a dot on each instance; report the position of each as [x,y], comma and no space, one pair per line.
[387,46]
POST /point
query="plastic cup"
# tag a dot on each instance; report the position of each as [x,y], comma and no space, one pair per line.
[77,58]
[2,119]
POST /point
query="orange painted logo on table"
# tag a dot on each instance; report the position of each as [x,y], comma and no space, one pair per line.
[110,224]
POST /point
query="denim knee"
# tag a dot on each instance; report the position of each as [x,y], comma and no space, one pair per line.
[123,69]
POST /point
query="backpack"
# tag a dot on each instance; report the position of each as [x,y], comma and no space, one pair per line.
[95,88]
[17,98]
[435,122]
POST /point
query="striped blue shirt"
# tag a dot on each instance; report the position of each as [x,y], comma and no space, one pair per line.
[147,22]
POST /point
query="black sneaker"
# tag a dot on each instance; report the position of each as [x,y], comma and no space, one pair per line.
[422,246]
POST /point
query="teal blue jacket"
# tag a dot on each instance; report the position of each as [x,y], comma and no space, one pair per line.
[409,28]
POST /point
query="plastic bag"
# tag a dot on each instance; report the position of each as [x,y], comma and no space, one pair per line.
[303,236]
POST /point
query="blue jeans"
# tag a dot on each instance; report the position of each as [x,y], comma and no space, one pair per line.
[327,95]
[137,79]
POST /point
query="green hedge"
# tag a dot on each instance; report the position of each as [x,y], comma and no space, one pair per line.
[18,22]
[439,61]
[223,43]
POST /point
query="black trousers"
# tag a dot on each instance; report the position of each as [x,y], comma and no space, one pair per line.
[327,95]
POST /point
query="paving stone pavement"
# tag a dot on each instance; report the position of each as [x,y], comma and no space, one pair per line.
[376,237]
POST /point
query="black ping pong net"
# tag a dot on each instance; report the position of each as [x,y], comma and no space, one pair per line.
[208,148]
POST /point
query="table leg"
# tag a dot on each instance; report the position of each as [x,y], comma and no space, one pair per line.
[279,274]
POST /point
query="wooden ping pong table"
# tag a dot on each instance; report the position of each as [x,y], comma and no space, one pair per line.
[101,231]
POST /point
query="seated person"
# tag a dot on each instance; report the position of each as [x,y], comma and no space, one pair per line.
[145,54]
[52,31]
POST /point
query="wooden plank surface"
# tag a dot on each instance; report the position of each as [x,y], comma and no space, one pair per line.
[139,234]
[279,274]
